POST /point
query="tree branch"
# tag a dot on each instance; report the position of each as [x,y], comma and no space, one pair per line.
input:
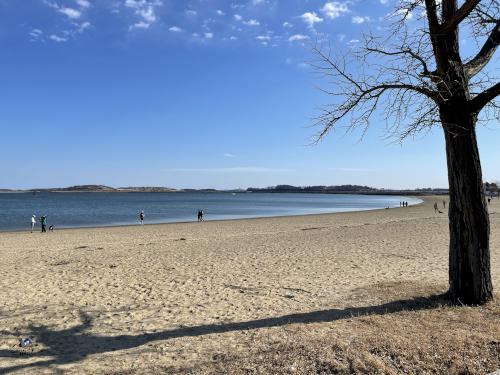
[481,100]
[431,10]
[404,51]
[475,65]
[459,16]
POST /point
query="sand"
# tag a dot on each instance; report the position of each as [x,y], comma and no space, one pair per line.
[138,299]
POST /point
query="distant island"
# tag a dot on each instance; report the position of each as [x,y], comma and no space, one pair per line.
[490,188]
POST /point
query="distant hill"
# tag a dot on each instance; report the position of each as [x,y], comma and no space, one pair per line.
[344,189]
[108,189]
[147,189]
[80,188]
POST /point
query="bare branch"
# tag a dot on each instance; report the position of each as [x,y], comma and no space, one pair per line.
[485,97]
[475,65]
[452,23]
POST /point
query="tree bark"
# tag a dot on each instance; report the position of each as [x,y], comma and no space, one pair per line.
[469,257]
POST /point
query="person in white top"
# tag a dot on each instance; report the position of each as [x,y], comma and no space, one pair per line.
[33,222]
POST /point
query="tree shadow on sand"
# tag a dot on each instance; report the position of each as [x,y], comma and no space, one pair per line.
[74,344]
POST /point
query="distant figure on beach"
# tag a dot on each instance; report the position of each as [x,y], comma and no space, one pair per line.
[51,228]
[489,200]
[435,207]
[33,222]
[200,215]
[444,204]
[43,221]
[400,203]
[406,204]
[141,217]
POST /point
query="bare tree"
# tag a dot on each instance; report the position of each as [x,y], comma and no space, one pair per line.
[418,78]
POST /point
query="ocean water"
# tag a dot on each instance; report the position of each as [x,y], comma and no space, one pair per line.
[69,210]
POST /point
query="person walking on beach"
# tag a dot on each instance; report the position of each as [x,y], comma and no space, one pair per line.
[200,215]
[444,204]
[43,221]
[33,222]
[435,207]
[141,217]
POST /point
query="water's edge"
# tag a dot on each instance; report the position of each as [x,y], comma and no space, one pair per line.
[416,201]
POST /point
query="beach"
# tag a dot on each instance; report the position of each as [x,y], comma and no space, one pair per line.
[202,297]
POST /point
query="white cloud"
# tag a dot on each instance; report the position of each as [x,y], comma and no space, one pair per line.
[140,25]
[287,24]
[220,12]
[358,19]
[237,17]
[209,35]
[228,170]
[335,9]
[58,39]
[229,155]
[175,29]
[310,18]
[383,2]
[145,10]
[83,3]
[263,37]
[36,34]
[82,27]
[297,37]
[257,2]
[70,12]
[191,13]
[251,22]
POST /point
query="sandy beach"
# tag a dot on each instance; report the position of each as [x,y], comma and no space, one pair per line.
[181,297]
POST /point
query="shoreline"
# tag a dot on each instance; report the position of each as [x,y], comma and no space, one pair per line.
[65,228]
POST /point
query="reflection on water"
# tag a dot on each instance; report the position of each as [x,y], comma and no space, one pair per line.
[100,209]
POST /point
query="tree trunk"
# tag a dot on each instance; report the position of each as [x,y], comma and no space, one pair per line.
[469,258]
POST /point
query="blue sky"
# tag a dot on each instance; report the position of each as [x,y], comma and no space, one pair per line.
[205,93]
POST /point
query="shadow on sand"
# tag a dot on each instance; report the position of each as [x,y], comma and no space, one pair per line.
[74,344]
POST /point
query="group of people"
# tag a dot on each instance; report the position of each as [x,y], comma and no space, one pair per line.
[142,215]
[403,204]
[43,223]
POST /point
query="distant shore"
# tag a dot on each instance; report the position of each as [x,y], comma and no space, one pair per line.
[338,189]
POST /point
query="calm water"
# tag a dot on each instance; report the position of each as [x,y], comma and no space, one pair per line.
[65,210]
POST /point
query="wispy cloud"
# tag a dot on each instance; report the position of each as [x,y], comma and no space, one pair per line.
[359,19]
[251,22]
[335,9]
[229,155]
[310,18]
[297,37]
[227,170]
[83,3]
[347,169]
[36,35]
[145,10]
[58,39]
